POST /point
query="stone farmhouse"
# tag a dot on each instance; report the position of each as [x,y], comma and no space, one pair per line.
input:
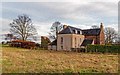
[71,37]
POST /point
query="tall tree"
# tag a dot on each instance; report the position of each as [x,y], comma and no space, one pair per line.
[55,29]
[23,27]
[110,35]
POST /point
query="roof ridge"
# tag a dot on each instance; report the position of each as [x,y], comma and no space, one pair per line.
[74,27]
[90,29]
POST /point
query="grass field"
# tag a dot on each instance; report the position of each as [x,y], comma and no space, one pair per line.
[17,60]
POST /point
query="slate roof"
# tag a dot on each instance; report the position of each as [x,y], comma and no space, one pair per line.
[54,42]
[69,30]
[91,31]
[86,42]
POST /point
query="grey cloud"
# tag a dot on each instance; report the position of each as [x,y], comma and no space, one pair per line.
[45,13]
[80,13]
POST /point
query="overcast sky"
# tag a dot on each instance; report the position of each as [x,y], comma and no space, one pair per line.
[81,14]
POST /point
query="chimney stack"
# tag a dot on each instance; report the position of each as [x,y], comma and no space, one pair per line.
[64,26]
[101,26]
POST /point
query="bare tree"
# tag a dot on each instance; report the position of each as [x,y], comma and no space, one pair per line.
[94,27]
[23,27]
[118,39]
[8,36]
[55,29]
[110,35]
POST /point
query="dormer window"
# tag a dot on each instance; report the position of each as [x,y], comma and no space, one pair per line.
[75,31]
[78,32]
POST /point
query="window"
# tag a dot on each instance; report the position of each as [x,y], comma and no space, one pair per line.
[61,47]
[74,31]
[75,40]
[78,32]
[61,40]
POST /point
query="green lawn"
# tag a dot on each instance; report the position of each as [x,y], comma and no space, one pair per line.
[17,60]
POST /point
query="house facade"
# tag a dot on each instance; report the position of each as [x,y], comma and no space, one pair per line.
[68,41]
[71,37]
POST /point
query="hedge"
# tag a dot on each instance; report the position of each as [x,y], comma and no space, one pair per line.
[23,44]
[104,48]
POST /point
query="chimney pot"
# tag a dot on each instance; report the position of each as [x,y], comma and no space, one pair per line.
[101,25]
[64,26]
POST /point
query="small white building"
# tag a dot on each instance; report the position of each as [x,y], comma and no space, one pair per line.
[52,46]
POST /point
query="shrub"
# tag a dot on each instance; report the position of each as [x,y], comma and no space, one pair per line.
[23,44]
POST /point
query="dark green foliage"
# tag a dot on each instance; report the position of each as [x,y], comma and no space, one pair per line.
[45,42]
[104,48]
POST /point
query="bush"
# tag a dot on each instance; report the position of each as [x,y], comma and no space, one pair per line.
[104,48]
